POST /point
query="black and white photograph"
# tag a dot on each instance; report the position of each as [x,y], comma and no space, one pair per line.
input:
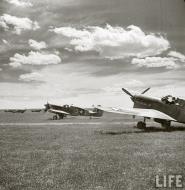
[92,94]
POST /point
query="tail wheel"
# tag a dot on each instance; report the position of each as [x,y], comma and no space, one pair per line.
[141,125]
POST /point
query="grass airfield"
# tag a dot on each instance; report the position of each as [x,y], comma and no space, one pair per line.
[79,153]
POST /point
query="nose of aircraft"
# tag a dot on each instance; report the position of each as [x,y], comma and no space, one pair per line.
[133,98]
[46,107]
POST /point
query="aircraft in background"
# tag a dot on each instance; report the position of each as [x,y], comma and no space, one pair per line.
[163,111]
[15,110]
[36,110]
[62,111]
[23,110]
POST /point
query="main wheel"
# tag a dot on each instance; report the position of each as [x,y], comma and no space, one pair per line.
[61,116]
[141,125]
[166,124]
[55,117]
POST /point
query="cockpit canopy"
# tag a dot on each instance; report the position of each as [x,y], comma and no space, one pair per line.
[66,106]
[169,99]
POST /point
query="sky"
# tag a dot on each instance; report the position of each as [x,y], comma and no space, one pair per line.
[83,52]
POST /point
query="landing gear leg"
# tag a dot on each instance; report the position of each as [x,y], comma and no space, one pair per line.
[166,124]
[61,116]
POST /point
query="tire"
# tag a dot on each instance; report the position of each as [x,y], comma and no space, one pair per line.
[61,116]
[166,124]
[141,125]
[55,117]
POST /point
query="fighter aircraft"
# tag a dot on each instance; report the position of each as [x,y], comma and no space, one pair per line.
[163,111]
[62,111]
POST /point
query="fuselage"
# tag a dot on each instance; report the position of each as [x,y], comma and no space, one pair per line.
[175,109]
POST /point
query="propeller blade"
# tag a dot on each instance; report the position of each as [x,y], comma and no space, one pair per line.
[145,90]
[127,92]
[46,107]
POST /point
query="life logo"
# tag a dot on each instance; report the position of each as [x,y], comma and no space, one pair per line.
[169,181]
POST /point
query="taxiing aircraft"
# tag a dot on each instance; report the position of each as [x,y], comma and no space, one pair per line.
[62,111]
[163,111]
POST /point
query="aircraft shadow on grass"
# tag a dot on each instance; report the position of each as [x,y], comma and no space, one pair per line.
[147,130]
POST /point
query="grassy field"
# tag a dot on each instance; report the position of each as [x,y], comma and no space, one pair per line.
[99,154]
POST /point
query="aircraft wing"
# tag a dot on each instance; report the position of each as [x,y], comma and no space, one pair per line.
[58,111]
[84,109]
[150,113]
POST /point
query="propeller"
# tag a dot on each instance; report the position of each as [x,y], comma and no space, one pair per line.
[127,92]
[145,90]
[46,107]
[131,95]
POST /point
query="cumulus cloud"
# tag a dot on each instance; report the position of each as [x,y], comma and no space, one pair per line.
[68,49]
[17,24]
[178,55]
[37,45]
[114,42]
[28,77]
[4,41]
[34,58]
[131,83]
[20,3]
[149,62]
